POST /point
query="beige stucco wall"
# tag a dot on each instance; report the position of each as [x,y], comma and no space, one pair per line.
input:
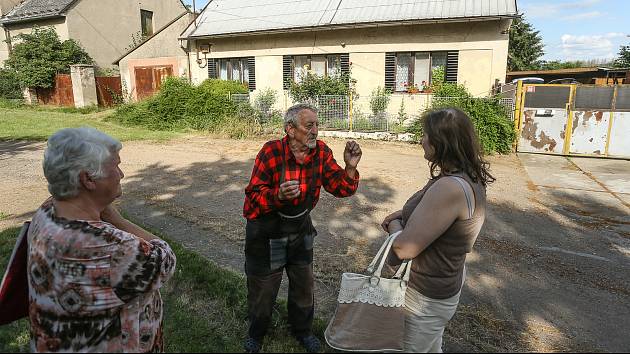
[163,49]
[367,48]
[4,46]
[105,29]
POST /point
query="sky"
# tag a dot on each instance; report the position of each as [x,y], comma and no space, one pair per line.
[572,29]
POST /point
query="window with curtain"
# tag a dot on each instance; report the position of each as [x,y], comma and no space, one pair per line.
[417,69]
[321,65]
[236,69]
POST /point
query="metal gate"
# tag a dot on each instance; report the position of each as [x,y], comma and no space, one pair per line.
[582,120]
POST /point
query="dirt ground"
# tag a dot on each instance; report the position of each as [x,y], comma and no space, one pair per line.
[543,277]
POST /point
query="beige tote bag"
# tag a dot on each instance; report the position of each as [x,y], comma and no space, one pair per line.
[370,314]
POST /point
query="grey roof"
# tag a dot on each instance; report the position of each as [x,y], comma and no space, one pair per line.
[30,10]
[225,17]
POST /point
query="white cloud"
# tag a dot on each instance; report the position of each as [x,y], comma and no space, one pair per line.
[590,47]
[582,16]
[546,10]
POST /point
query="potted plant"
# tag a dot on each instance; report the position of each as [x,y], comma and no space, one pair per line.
[411,89]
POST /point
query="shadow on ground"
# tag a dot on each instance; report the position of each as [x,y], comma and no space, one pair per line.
[532,285]
[12,148]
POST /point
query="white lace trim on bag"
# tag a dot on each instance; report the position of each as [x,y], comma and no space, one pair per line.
[357,288]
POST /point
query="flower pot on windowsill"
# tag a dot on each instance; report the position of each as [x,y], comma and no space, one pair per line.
[427,91]
[413,90]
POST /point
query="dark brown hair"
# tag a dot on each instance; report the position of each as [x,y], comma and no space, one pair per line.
[452,135]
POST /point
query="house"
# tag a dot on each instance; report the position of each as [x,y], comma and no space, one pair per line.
[597,75]
[389,43]
[143,68]
[105,29]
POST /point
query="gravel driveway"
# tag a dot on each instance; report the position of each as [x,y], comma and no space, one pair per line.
[550,271]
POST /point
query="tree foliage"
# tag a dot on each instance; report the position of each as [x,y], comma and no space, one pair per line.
[623,61]
[9,86]
[40,55]
[526,46]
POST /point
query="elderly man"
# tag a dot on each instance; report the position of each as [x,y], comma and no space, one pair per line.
[284,188]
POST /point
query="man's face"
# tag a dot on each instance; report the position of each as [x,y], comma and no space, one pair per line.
[306,131]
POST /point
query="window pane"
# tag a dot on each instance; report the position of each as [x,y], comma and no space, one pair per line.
[318,65]
[300,64]
[223,73]
[334,65]
[245,70]
[236,70]
[438,61]
[146,22]
[421,73]
[403,68]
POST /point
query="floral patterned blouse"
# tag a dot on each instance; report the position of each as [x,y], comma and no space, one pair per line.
[93,287]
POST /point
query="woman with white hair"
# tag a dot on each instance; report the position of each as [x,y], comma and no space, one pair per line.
[93,275]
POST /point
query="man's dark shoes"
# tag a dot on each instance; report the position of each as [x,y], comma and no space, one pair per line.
[252,345]
[310,343]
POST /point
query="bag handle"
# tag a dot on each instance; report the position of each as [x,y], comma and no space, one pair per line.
[390,243]
[370,268]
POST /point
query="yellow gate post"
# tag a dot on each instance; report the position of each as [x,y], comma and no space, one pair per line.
[568,132]
[517,112]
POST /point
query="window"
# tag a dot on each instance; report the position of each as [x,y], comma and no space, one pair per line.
[321,65]
[415,69]
[236,69]
[146,22]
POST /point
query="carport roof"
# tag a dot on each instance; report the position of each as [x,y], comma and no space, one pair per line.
[30,10]
[234,17]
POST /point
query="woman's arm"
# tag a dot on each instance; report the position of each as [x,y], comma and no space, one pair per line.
[442,204]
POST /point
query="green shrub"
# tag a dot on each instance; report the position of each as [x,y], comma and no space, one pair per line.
[494,127]
[380,100]
[313,85]
[264,102]
[38,56]
[180,105]
[9,84]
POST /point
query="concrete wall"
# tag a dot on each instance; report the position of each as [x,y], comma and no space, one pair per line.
[105,28]
[483,51]
[163,49]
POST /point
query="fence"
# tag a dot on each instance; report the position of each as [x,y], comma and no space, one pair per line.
[391,113]
[383,113]
[60,94]
[108,90]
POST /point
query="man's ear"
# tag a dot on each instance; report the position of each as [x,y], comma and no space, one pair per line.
[87,181]
[290,130]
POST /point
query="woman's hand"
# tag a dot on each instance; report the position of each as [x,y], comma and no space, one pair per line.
[395,226]
[388,219]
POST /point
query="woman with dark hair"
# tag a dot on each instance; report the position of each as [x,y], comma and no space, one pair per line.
[440,224]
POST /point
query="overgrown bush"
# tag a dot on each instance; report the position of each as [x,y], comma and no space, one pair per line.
[313,85]
[379,101]
[180,105]
[9,85]
[264,102]
[40,55]
[494,127]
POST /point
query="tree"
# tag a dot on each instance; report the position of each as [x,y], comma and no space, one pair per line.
[525,48]
[40,55]
[624,57]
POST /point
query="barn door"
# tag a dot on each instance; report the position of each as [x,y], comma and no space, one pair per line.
[149,79]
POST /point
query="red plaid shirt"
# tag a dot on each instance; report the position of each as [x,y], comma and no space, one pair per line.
[261,195]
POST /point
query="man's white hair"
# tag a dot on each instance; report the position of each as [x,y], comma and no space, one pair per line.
[71,151]
[293,113]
